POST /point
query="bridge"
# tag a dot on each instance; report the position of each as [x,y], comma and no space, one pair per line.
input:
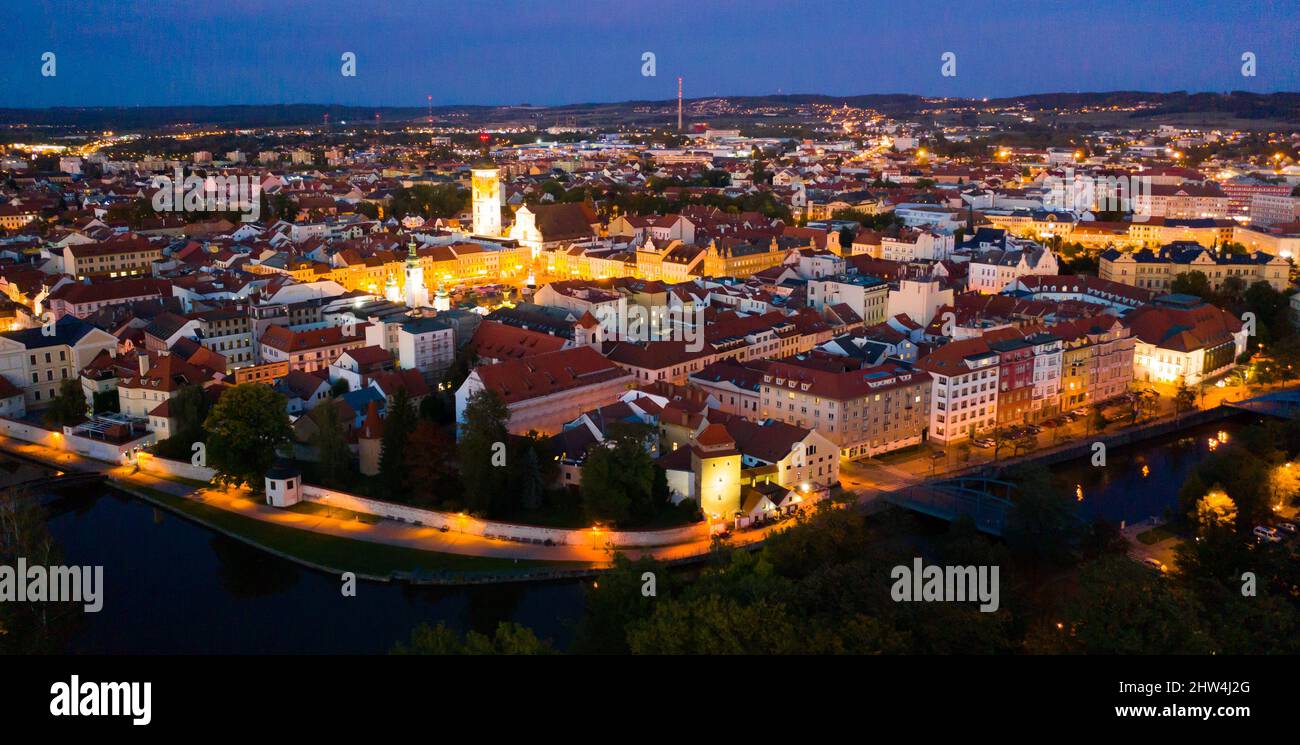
[986,501]
[1281,404]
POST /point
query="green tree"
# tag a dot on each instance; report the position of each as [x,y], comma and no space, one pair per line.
[1122,607]
[1191,283]
[429,470]
[618,601]
[1098,420]
[529,481]
[398,426]
[332,446]
[30,628]
[244,430]
[190,407]
[1044,526]
[1184,398]
[618,475]
[484,435]
[104,402]
[715,625]
[508,639]
[68,407]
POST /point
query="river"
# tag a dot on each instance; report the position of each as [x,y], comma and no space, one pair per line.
[174,587]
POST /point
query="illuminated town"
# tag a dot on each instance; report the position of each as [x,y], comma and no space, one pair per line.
[750,347]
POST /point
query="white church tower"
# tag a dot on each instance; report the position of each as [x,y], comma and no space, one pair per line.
[417,295]
[485,188]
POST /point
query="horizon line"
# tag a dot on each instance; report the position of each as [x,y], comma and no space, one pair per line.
[671,100]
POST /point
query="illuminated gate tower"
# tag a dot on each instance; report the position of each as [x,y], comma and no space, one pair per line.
[486,192]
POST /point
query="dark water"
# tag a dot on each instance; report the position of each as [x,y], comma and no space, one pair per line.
[1120,491]
[171,586]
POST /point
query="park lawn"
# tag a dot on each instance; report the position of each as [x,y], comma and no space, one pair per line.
[345,554]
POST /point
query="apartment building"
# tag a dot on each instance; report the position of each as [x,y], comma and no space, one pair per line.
[309,350]
[1184,341]
[867,296]
[1096,361]
[1156,270]
[865,411]
[965,379]
[122,257]
[990,271]
[81,300]
[546,391]
[38,360]
[1187,200]
[229,332]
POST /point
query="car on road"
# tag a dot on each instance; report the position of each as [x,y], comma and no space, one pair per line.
[1079,412]
[1033,429]
[1265,533]
[982,442]
[1287,528]
[1155,564]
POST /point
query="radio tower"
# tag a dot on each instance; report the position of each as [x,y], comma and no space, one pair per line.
[679,103]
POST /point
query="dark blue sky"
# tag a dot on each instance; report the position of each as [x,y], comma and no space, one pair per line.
[154,52]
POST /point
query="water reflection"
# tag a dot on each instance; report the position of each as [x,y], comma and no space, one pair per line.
[1142,480]
[174,587]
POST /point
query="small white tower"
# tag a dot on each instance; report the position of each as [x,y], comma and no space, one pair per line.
[485,189]
[417,295]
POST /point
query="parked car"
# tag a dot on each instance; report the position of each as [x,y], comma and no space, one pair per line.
[1265,533]
[1079,412]
[1287,528]
[982,442]
[1033,429]
[1155,564]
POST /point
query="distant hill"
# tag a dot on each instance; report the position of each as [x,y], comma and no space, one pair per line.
[1240,104]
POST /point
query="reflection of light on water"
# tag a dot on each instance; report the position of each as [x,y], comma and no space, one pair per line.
[1145,471]
[1078,492]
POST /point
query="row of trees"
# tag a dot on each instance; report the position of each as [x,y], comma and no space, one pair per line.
[824,586]
[1270,307]
[429,201]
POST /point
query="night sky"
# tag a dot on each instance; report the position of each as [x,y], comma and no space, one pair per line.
[562,51]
